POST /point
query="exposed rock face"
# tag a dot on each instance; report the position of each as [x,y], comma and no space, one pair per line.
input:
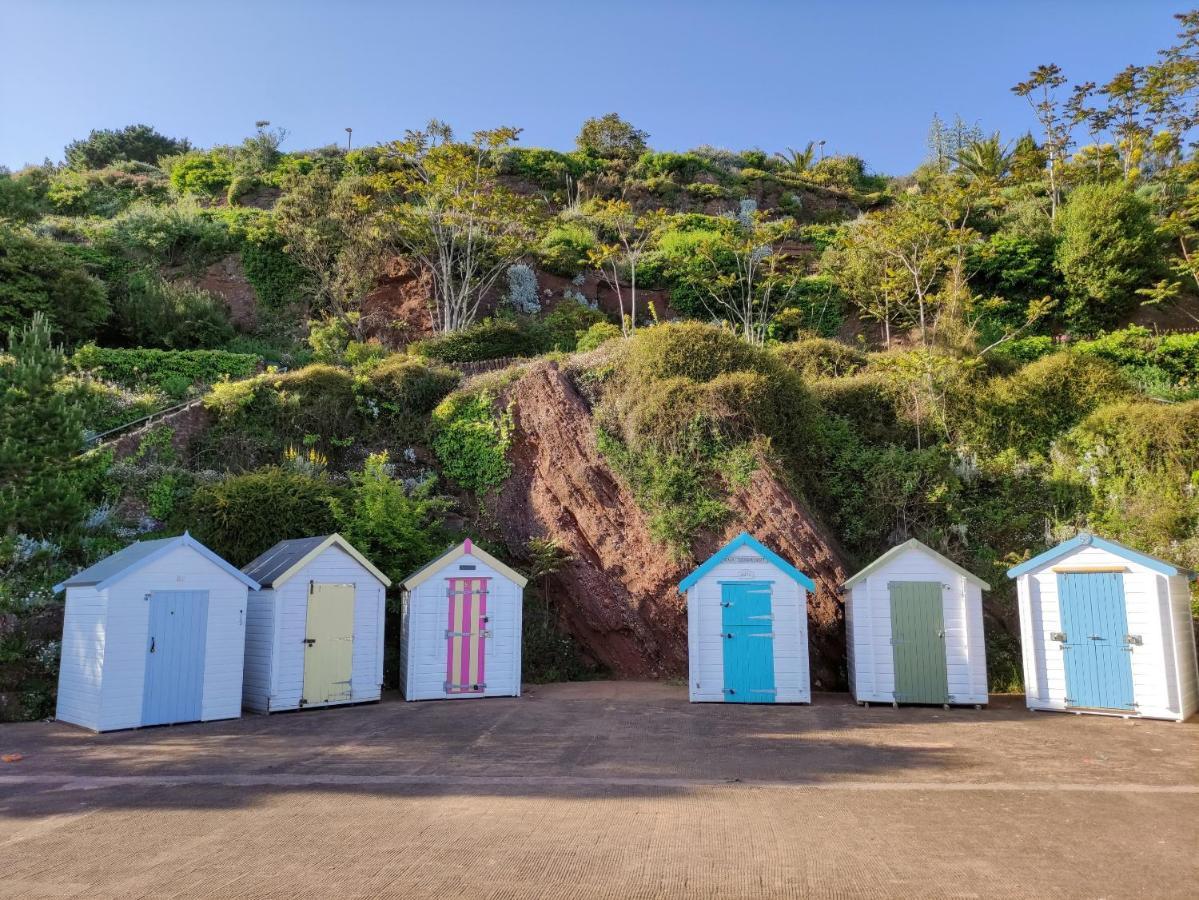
[619,590]
[227,279]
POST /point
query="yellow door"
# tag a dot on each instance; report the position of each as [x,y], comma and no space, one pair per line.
[328,644]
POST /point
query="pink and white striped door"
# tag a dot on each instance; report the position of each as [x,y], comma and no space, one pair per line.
[466,636]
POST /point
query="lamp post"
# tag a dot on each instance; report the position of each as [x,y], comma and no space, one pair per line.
[349,134]
[820,145]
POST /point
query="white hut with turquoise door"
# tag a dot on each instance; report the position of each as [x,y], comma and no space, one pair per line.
[461,627]
[747,627]
[153,635]
[1107,630]
[914,630]
[314,633]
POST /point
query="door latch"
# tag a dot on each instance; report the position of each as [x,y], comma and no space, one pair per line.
[151,645]
[309,641]
[1057,636]
[1134,640]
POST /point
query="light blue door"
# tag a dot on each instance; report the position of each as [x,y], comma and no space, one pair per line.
[1094,623]
[174,686]
[747,623]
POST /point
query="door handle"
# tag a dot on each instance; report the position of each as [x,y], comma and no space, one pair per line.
[151,645]
[309,641]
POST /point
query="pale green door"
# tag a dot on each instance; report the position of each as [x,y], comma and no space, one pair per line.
[918,642]
[328,644]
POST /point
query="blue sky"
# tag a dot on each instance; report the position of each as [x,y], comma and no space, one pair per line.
[864,76]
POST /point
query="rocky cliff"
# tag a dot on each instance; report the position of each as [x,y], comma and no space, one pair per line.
[619,596]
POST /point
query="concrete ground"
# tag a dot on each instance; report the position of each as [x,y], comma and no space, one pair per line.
[607,789]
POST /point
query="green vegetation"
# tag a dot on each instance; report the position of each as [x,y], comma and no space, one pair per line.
[948,354]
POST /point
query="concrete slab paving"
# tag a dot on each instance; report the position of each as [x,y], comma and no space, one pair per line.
[616,789]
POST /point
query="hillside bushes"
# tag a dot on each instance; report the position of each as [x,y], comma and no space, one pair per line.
[39,275]
[471,439]
[153,312]
[163,369]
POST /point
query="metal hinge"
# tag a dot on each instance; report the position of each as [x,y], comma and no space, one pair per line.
[485,633]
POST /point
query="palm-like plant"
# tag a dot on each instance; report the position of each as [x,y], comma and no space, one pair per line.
[799,160]
[985,159]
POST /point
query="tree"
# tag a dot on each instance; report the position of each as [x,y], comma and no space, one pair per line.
[1107,250]
[134,143]
[41,436]
[399,530]
[630,235]
[330,228]
[1041,92]
[611,137]
[799,161]
[452,215]
[745,273]
[41,275]
[984,160]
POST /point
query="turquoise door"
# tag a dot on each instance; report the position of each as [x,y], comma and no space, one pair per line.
[174,685]
[1094,624]
[747,624]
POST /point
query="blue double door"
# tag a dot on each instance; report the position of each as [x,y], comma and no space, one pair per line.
[1097,654]
[173,690]
[747,629]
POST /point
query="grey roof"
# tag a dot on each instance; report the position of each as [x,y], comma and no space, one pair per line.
[281,557]
[113,567]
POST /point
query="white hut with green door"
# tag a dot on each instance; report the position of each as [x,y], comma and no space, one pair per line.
[914,630]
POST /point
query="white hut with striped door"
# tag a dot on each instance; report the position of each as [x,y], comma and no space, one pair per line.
[314,633]
[460,632]
[1105,629]
[153,635]
[914,630]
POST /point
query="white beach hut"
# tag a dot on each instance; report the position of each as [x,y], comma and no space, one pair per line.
[153,635]
[747,627]
[460,633]
[1107,630]
[914,630]
[314,633]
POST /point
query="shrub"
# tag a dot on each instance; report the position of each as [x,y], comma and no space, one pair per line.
[104,193]
[152,312]
[1029,409]
[611,137]
[471,439]
[176,235]
[597,334]
[1135,348]
[412,384]
[1108,249]
[522,294]
[682,167]
[487,339]
[105,406]
[548,169]
[821,358]
[838,171]
[1016,268]
[563,251]
[141,367]
[39,275]
[1025,350]
[560,329]
[138,143]
[241,516]
[20,196]
[867,401]
[397,529]
[203,173]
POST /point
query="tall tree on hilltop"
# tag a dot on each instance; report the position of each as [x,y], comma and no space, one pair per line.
[626,236]
[1041,91]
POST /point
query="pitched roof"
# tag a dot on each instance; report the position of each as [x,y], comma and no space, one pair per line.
[1089,540]
[112,568]
[286,558]
[914,544]
[466,548]
[745,539]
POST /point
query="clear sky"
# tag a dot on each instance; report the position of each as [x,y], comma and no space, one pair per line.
[864,76]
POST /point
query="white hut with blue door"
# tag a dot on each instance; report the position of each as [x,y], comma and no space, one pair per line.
[1108,630]
[747,627]
[914,630]
[314,633]
[153,635]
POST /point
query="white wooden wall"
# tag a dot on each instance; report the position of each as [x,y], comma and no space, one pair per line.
[425,615]
[705,646]
[1153,607]
[124,634]
[1184,645]
[260,650]
[334,566]
[868,630]
[79,674]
